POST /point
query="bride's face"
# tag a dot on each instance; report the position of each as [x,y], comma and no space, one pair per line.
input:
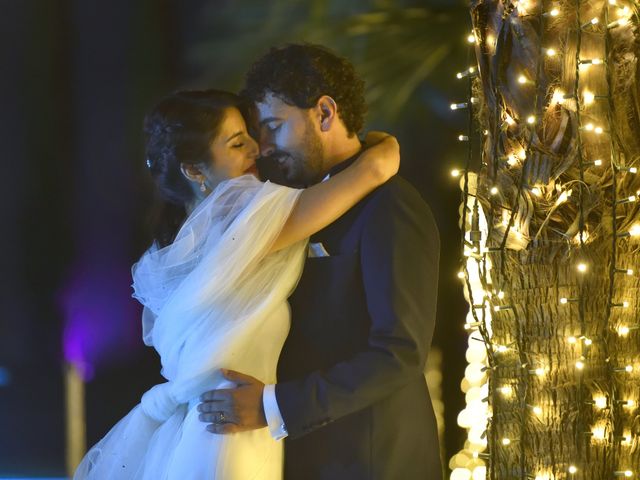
[233,151]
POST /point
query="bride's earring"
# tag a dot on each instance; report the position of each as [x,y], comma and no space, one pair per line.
[203,187]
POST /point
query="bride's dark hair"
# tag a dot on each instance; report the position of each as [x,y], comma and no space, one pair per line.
[179,129]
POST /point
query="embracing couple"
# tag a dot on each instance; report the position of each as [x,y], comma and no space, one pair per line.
[293,321]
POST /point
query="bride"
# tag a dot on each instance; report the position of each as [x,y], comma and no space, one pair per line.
[214,286]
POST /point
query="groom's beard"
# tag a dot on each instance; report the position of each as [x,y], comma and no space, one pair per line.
[300,167]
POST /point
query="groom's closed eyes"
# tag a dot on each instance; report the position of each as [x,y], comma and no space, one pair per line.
[271,123]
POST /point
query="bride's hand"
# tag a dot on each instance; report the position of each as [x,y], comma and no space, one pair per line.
[381,155]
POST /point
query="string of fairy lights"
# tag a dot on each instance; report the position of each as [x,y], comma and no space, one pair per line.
[487,299]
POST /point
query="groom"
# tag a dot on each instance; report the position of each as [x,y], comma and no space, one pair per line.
[351,400]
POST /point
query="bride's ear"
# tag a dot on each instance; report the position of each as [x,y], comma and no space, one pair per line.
[191,172]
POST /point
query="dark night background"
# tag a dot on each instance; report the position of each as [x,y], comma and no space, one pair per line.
[77,77]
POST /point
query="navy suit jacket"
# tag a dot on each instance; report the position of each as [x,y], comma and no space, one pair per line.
[350,386]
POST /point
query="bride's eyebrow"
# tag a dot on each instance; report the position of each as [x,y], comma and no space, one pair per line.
[233,136]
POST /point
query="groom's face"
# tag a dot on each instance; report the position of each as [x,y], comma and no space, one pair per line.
[290,140]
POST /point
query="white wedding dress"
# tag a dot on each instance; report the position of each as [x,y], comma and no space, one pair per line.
[213,299]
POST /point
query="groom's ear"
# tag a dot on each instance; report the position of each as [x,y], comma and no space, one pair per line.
[327,112]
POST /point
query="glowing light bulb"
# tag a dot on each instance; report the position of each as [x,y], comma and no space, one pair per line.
[623,330]
[539,371]
[502,349]
[598,130]
[471,38]
[597,163]
[572,340]
[600,402]
[588,97]
[634,231]
[555,12]
[509,119]
[588,341]
[558,97]
[551,52]
[572,469]
[522,154]
[582,267]
[599,433]
[500,294]
[460,274]
[580,365]
[589,127]
[455,173]
[531,119]
[506,390]
[493,191]
[536,191]
[628,368]
[622,21]
[512,160]
[463,138]
[522,79]
[594,21]
[506,441]
[629,404]
[564,301]
[537,410]
[629,271]
[625,304]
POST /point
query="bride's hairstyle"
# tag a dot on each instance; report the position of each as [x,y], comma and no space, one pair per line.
[179,129]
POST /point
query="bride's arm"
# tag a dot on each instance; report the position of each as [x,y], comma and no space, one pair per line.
[322,204]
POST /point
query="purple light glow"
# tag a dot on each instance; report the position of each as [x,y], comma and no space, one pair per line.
[102,321]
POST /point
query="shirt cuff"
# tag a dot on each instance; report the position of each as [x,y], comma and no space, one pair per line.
[272,413]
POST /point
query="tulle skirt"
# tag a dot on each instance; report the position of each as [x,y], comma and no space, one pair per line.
[139,448]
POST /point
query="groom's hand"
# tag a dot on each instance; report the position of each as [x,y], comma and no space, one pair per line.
[236,409]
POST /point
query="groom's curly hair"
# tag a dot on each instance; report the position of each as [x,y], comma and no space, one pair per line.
[299,74]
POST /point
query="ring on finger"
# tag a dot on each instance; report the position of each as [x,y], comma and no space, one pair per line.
[220,418]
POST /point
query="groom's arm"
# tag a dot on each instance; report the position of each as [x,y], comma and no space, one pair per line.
[399,261]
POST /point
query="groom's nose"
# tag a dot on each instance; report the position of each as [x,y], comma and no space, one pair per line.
[266,148]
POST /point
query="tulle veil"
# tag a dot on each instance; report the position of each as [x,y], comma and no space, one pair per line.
[205,299]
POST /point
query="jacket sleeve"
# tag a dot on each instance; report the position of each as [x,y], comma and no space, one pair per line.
[399,253]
